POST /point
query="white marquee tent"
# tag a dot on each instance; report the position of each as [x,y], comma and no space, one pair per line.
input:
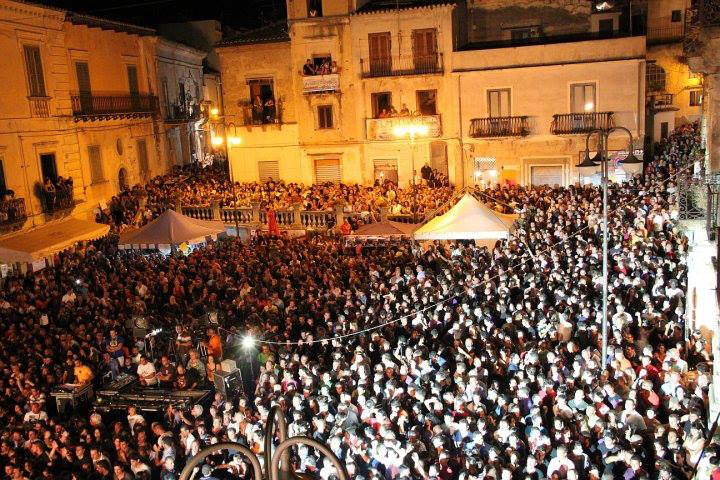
[468,219]
[170,228]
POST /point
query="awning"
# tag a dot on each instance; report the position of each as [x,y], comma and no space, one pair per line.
[170,228]
[49,239]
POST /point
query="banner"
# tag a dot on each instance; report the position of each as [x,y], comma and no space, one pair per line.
[321,83]
[383,128]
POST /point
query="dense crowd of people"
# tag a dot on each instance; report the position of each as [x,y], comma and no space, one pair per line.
[449,362]
[202,187]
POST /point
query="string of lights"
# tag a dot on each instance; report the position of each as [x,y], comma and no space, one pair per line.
[247,342]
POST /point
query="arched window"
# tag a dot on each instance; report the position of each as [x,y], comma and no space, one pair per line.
[654,78]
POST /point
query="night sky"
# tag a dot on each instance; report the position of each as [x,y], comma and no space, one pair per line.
[150,13]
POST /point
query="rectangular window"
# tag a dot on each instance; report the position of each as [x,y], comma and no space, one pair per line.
[498,102]
[82,72]
[48,167]
[268,171]
[425,53]
[696,98]
[381,103]
[166,96]
[96,169]
[262,98]
[133,85]
[33,65]
[314,8]
[676,16]
[379,48]
[142,156]
[325,116]
[606,26]
[3,183]
[426,102]
[582,98]
[328,170]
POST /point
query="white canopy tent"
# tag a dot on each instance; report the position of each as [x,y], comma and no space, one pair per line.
[38,243]
[170,228]
[468,219]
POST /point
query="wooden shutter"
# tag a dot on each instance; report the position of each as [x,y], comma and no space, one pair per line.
[96,170]
[82,72]
[546,175]
[328,170]
[425,48]
[380,47]
[142,156]
[268,170]
[33,64]
[133,85]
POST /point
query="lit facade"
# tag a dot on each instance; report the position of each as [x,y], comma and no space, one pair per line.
[436,66]
[80,102]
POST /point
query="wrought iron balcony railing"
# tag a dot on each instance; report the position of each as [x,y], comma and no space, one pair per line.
[661,101]
[664,30]
[499,127]
[113,105]
[12,212]
[398,66]
[177,113]
[569,123]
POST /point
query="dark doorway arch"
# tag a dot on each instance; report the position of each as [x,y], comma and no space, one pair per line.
[123,179]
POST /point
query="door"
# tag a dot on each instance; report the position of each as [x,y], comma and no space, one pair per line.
[328,170]
[48,167]
[386,170]
[425,50]
[268,171]
[379,46]
[142,156]
[133,86]
[122,179]
[438,157]
[546,175]
[82,71]
[664,130]
[606,27]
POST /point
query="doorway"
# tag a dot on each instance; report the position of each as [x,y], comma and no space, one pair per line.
[48,167]
[122,179]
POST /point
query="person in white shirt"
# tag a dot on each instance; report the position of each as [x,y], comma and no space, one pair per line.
[134,418]
[69,297]
[146,372]
[35,414]
[561,463]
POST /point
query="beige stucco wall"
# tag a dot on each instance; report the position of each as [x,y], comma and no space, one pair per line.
[24,136]
[677,79]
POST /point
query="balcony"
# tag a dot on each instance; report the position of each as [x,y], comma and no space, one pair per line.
[12,214]
[499,127]
[59,200]
[661,102]
[261,115]
[399,66]
[111,106]
[664,30]
[570,123]
[384,128]
[179,113]
[39,107]
[321,83]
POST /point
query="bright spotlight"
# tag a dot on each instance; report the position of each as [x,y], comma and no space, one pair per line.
[248,342]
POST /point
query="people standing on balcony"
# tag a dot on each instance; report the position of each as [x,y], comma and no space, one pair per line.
[334,67]
[49,193]
[257,110]
[309,68]
[269,110]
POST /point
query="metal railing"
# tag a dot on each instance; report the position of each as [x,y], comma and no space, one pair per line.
[570,123]
[661,101]
[499,127]
[256,115]
[39,107]
[177,112]
[59,200]
[403,65]
[664,30]
[111,104]
[12,212]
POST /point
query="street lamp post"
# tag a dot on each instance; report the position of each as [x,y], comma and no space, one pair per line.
[602,158]
[412,130]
